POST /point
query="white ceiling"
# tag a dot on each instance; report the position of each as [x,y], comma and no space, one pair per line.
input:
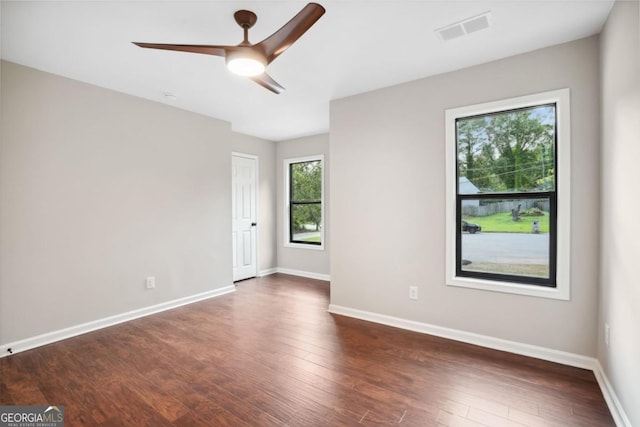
[357,46]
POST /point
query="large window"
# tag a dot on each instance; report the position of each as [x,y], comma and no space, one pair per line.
[507,224]
[304,210]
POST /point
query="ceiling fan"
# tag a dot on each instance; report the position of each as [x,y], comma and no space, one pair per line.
[248,59]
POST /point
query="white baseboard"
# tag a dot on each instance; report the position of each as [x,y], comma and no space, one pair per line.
[50,337]
[306,274]
[267,272]
[543,353]
[292,272]
[614,404]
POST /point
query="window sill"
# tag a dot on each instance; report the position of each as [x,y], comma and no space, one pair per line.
[560,292]
[304,246]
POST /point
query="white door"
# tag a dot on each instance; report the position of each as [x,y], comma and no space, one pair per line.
[244,220]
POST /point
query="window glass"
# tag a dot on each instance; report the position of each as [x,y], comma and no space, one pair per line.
[305,202]
[306,181]
[510,154]
[306,220]
[506,237]
[512,151]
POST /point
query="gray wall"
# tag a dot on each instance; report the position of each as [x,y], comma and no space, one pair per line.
[620,245]
[305,260]
[388,201]
[266,153]
[98,191]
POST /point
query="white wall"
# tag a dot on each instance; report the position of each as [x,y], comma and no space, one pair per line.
[300,259]
[388,201]
[266,153]
[620,153]
[99,190]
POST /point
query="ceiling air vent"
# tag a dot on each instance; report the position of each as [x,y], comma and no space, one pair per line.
[468,26]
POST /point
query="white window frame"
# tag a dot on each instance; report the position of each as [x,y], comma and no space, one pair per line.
[287,202]
[563,181]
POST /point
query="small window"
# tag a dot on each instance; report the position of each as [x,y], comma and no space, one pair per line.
[304,210]
[507,162]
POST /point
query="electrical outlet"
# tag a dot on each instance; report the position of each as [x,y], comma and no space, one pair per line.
[413,292]
[150,282]
[607,334]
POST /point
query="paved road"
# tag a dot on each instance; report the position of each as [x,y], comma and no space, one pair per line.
[506,248]
[303,236]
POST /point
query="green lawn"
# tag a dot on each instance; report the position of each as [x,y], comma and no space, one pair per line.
[502,223]
[312,239]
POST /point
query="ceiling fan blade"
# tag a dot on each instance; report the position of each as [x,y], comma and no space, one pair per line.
[279,41]
[194,48]
[267,82]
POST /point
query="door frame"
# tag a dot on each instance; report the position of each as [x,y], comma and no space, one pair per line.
[256,201]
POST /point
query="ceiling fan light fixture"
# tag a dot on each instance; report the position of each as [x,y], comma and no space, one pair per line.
[246,63]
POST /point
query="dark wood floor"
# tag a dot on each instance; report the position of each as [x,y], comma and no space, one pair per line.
[270,354]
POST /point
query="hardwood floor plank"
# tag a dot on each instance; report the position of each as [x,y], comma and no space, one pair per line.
[271,355]
[532,420]
[452,420]
[491,419]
